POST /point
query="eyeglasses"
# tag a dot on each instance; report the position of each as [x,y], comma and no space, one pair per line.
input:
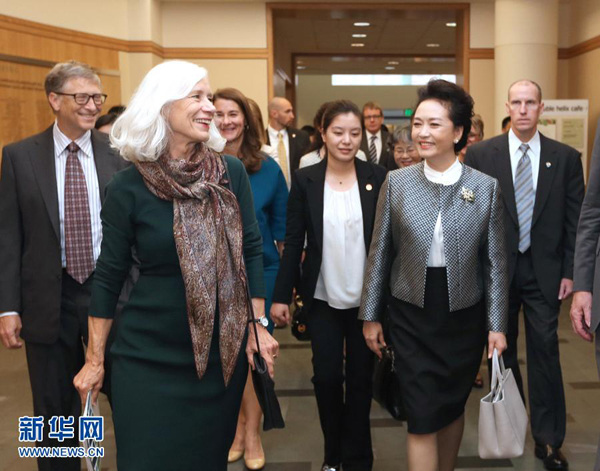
[372,117]
[529,105]
[83,98]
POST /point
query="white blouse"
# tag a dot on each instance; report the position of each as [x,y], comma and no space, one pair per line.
[344,255]
[449,177]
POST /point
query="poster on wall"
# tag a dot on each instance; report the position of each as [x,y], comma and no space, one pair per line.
[567,121]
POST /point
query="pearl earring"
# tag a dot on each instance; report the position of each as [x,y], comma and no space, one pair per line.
[456,141]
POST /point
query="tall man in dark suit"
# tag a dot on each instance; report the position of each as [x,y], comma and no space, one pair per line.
[375,138]
[542,186]
[291,144]
[585,314]
[51,191]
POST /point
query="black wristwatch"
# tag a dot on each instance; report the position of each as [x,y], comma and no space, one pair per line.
[262,321]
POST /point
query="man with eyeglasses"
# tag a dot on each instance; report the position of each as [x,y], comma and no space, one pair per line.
[51,191]
[542,188]
[375,137]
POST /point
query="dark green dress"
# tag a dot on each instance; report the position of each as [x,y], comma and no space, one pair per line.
[165,418]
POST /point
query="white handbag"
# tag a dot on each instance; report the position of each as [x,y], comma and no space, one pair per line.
[502,415]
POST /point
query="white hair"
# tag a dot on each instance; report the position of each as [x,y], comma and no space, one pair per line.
[141,133]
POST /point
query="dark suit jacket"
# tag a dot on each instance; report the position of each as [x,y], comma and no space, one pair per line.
[587,247]
[299,144]
[305,217]
[556,209]
[386,159]
[31,274]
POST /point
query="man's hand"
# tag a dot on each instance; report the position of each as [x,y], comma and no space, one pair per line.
[581,314]
[10,329]
[566,289]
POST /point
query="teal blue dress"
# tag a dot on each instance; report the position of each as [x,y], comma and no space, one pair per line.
[165,418]
[270,193]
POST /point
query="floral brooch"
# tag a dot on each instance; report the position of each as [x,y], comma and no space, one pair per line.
[467,194]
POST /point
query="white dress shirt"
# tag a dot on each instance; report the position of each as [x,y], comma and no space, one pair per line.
[274,143]
[378,143]
[449,177]
[534,152]
[86,158]
[344,254]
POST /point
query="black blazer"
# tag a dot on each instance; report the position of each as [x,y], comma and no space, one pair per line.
[305,218]
[299,144]
[556,209]
[587,248]
[31,274]
[386,159]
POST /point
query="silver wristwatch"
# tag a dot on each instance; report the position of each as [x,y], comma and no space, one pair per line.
[262,320]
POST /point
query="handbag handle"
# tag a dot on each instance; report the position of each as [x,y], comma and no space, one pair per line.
[251,318]
[498,373]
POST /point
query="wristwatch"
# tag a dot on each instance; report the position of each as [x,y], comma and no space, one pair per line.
[262,320]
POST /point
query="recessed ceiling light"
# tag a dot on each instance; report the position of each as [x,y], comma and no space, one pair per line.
[300,67]
[356,35]
[362,24]
[299,62]
[433,45]
[451,24]
[393,62]
[358,45]
[390,67]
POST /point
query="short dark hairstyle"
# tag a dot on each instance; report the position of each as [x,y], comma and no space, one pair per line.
[456,100]
[105,119]
[336,108]
[250,153]
[307,128]
[117,109]
[505,121]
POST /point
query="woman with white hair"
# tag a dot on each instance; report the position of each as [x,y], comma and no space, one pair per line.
[179,369]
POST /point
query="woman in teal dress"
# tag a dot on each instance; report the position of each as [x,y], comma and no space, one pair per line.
[179,369]
[239,126]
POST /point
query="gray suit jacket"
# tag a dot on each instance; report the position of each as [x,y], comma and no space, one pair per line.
[586,274]
[31,274]
[474,243]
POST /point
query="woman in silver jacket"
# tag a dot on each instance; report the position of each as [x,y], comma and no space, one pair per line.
[438,248]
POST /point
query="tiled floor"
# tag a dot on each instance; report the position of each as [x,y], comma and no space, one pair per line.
[299,446]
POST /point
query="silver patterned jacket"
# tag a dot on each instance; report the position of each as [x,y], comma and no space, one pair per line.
[474,243]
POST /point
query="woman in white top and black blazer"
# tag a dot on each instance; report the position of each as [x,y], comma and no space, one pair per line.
[439,248]
[332,204]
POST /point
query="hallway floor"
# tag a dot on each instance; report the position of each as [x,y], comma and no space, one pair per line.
[299,446]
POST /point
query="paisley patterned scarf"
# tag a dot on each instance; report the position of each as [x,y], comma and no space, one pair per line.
[207,227]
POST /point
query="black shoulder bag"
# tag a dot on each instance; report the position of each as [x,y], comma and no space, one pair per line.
[264,385]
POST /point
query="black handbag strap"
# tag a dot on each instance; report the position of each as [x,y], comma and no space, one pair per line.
[251,318]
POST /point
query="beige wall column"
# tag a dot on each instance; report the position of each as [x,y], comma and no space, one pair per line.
[526,46]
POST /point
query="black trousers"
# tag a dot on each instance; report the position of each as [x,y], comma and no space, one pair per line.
[53,367]
[546,392]
[344,417]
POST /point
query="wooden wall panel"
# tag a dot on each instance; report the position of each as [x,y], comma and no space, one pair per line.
[29,46]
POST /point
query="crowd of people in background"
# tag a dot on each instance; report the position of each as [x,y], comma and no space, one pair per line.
[224,220]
